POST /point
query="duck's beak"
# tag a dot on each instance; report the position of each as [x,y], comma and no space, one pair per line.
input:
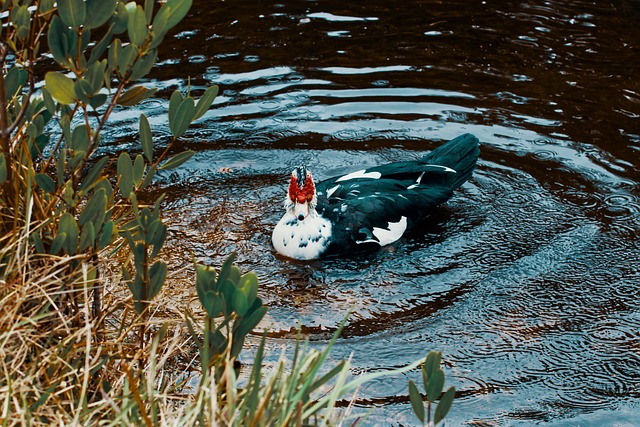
[301,210]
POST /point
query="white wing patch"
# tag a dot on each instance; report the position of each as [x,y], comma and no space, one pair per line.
[360,174]
[332,190]
[419,180]
[412,186]
[446,169]
[393,232]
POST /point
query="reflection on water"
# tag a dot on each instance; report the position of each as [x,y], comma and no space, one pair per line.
[527,280]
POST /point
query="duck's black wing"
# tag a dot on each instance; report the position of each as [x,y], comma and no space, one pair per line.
[377,205]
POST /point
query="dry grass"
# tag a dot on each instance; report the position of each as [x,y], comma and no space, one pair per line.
[60,364]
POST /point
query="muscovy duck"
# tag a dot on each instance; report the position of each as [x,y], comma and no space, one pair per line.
[371,207]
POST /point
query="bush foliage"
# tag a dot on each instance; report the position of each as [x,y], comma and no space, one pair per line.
[72,353]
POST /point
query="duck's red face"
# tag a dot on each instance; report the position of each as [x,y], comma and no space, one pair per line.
[301,191]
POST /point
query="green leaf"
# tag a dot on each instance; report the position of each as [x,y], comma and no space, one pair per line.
[45,182]
[158,273]
[58,41]
[100,47]
[100,12]
[83,90]
[177,160]
[145,137]
[21,21]
[138,169]
[212,303]
[250,322]
[148,177]
[444,405]
[46,5]
[431,365]
[205,279]
[125,174]
[107,233]
[49,103]
[37,242]
[98,100]
[14,81]
[205,101]
[144,65]
[79,139]
[137,26]
[436,384]
[69,228]
[60,166]
[148,10]
[174,103]
[239,303]
[249,285]
[72,12]
[170,14]
[182,117]
[119,20]
[57,243]
[416,401]
[225,270]
[95,209]
[157,233]
[134,95]
[60,87]
[87,236]
[3,169]
[126,58]
[95,75]
[94,174]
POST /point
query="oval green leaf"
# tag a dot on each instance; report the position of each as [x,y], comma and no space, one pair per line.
[174,103]
[87,236]
[101,11]
[45,182]
[68,226]
[436,384]
[158,273]
[60,87]
[125,174]
[416,401]
[14,81]
[72,12]
[107,233]
[240,305]
[137,26]
[79,139]
[94,174]
[444,405]
[138,169]
[171,13]
[177,160]
[119,19]
[205,101]
[182,118]
[431,364]
[95,209]
[146,139]
[3,169]
[134,95]
[144,65]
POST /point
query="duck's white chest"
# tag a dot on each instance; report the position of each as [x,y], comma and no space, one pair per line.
[304,240]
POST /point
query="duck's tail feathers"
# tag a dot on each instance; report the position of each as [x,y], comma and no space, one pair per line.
[459,154]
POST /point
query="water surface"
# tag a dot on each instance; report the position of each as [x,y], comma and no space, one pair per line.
[527,280]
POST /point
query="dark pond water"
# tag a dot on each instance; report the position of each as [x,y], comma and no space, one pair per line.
[528,280]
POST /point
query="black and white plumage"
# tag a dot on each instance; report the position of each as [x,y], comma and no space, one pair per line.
[372,207]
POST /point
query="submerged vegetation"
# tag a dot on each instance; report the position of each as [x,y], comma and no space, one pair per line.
[73,351]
